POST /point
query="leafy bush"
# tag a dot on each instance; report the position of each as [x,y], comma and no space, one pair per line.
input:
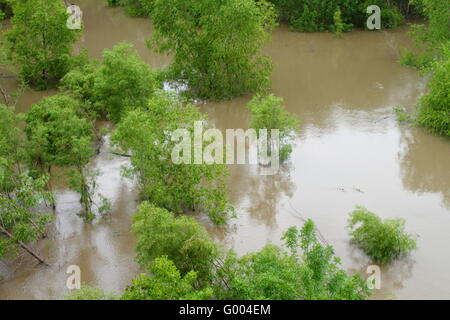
[434,109]
[381,240]
[183,240]
[274,274]
[165,282]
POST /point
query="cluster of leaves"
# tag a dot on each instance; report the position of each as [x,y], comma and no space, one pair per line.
[39,41]
[185,264]
[122,81]
[268,112]
[382,240]
[215,44]
[147,134]
[20,193]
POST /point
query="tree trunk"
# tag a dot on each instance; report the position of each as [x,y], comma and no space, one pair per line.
[24,246]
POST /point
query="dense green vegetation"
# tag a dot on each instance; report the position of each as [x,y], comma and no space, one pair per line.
[120,82]
[318,15]
[20,193]
[433,40]
[184,263]
[216,47]
[382,240]
[147,134]
[215,44]
[39,41]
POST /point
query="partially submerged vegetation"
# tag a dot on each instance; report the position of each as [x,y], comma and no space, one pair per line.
[217,55]
[382,240]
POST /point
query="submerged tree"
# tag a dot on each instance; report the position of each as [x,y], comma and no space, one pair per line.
[183,240]
[59,137]
[179,187]
[40,41]
[122,81]
[268,112]
[381,240]
[216,44]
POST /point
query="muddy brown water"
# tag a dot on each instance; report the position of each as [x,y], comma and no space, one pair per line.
[349,150]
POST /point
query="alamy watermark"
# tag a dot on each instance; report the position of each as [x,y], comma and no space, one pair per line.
[210,147]
[75,19]
[374,21]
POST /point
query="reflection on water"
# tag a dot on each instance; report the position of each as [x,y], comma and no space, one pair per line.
[425,163]
[349,150]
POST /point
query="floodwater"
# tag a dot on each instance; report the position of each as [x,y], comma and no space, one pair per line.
[349,151]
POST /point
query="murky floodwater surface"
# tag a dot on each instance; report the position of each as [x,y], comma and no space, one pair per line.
[350,150]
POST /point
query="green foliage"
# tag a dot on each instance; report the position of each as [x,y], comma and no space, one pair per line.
[90,293]
[381,240]
[434,109]
[274,274]
[431,37]
[216,44]
[182,240]
[57,136]
[268,112]
[121,82]
[319,15]
[147,134]
[20,194]
[166,283]
[40,42]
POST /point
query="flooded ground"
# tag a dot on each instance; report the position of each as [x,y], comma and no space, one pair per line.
[350,150]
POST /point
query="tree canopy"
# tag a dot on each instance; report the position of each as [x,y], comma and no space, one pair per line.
[40,42]
[215,44]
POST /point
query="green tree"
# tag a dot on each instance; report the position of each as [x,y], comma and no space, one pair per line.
[58,136]
[216,44]
[268,112]
[121,82]
[40,42]
[124,81]
[179,187]
[182,240]
[166,283]
[310,272]
[382,240]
